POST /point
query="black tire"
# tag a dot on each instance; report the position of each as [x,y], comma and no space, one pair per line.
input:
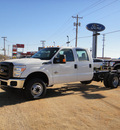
[113,80]
[106,81]
[35,89]
[86,82]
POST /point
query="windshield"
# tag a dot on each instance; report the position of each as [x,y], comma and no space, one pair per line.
[46,53]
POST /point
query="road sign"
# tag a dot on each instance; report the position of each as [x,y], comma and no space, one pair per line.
[20,45]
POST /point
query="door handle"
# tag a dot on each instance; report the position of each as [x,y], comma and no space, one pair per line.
[90,65]
[75,66]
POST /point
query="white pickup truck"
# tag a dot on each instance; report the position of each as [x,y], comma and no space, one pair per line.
[52,66]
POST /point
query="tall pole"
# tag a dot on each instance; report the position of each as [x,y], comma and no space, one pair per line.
[94,46]
[103,45]
[76,31]
[76,24]
[4,45]
[8,50]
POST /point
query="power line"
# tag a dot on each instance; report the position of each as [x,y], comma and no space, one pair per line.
[112,32]
[91,6]
[101,8]
[81,37]
[73,38]
[67,30]
[85,9]
[69,19]
[58,31]
[60,28]
[109,14]
[100,34]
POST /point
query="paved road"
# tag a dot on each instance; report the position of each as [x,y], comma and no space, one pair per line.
[70,106]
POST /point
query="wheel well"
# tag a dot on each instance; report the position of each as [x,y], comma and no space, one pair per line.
[39,75]
[117,67]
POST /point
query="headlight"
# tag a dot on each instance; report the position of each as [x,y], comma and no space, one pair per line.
[18,70]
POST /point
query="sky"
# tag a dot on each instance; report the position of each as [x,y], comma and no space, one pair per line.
[29,22]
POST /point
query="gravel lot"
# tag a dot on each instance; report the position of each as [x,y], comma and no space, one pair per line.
[70,106]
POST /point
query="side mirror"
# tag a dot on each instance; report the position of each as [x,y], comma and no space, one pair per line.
[61,59]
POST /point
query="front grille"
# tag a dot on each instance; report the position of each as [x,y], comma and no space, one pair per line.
[6,70]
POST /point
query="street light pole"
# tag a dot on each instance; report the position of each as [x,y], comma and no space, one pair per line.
[68,41]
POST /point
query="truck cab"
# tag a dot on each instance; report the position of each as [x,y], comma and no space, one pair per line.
[78,66]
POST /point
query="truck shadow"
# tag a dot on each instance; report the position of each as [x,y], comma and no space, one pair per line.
[87,91]
[11,97]
[16,96]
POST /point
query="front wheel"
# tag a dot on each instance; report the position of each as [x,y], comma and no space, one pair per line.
[35,89]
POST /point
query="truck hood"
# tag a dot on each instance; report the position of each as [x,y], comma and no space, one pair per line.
[27,61]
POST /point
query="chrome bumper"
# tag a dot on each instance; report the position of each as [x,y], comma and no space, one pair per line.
[14,83]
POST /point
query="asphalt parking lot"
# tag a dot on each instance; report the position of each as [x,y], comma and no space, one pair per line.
[70,106]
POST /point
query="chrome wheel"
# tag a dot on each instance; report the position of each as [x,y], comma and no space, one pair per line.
[36,90]
[115,82]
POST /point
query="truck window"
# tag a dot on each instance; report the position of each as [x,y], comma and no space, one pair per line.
[68,53]
[82,55]
[46,53]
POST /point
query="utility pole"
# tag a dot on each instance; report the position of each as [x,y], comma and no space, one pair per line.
[4,45]
[43,43]
[103,45]
[76,24]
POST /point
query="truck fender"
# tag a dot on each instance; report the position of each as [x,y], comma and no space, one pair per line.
[116,66]
[39,75]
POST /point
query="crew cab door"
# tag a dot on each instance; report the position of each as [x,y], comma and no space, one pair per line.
[84,65]
[65,72]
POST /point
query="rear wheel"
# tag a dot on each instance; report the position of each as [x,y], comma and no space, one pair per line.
[113,80]
[35,89]
[106,80]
